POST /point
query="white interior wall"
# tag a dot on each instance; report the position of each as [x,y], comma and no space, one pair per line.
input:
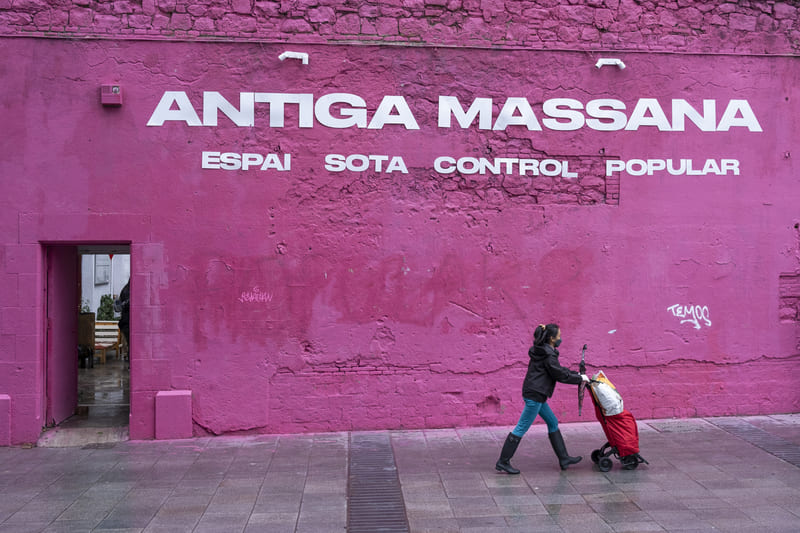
[91,289]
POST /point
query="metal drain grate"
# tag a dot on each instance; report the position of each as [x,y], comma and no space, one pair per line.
[780,448]
[375,500]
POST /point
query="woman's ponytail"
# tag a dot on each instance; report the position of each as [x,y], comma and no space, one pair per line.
[542,334]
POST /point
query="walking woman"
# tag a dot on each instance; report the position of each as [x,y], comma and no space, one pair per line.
[540,382]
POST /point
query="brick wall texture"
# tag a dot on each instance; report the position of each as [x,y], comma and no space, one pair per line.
[750,27]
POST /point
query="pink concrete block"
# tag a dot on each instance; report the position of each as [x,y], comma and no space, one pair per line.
[27,349]
[149,256]
[8,348]
[174,414]
[9,289]
[142,290]
[18,320]
[143,410]
[27,409]
[29,290]
[22,258]
[5,420]
[154,372]
[150,319]
[106,227]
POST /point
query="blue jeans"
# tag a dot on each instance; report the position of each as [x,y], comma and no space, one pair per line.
[529,414]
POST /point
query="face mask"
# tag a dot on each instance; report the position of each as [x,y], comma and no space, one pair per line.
[558,343]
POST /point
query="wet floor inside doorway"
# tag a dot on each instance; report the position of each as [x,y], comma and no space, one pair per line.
[102,415]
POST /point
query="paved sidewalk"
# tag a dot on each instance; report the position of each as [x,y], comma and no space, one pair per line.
[716,474]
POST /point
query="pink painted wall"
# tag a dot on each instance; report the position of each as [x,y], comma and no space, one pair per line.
[313,300]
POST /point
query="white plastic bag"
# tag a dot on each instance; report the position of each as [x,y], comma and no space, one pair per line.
[607,396]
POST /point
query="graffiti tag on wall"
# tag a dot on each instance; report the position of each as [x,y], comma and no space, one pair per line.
[693,314]
[255,295]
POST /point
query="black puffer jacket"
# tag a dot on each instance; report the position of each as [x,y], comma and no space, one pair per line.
[543,372]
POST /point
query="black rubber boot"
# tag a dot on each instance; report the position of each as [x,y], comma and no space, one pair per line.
[564,459]
[509,448]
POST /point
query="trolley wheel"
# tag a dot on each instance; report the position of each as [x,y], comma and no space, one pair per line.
[596,456]
[629,462]
[605,464]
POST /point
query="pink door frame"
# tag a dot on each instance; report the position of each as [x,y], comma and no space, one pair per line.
[36,233]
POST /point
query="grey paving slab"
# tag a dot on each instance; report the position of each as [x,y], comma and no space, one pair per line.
[519,505]
[269,522]
[31,527]
[636,527]
[424,509]
[221,523]
[480,506]
[535,524]
[433,525]
[583,524]
[483,523]
[70,526]
[700,478]
[278,503]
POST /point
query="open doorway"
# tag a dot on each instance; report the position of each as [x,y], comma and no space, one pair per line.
[87,357]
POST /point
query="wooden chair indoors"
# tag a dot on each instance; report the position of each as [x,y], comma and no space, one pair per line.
[107,336]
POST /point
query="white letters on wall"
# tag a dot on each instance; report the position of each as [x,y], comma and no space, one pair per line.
[345,110]
[692,314]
